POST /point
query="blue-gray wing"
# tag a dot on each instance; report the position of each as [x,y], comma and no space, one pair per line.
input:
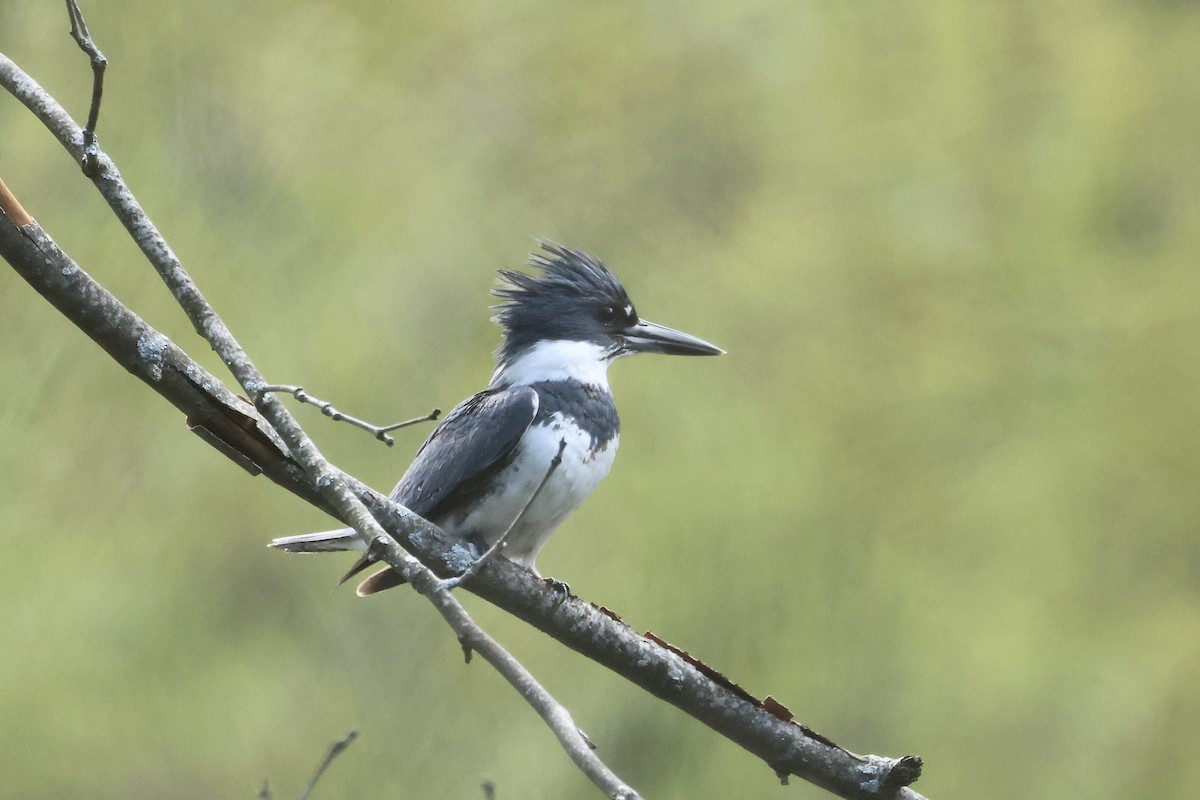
[476,440]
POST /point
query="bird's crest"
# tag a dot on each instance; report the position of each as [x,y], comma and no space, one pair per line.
[561,299]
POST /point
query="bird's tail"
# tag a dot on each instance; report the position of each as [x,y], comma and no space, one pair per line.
[336,541]
[320,542]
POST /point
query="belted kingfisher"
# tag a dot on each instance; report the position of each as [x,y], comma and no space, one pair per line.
[483,465]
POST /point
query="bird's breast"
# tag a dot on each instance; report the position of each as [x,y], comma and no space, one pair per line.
[586,459]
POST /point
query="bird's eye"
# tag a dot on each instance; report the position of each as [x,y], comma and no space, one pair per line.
[608,315]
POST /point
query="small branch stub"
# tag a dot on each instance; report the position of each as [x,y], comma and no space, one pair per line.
[904,772]
[83,37]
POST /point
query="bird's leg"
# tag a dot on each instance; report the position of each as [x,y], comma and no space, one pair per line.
[380,432]
[477,564]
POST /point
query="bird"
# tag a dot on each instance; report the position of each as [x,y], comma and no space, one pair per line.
[485,472]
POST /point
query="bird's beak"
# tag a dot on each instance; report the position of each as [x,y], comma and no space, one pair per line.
[647,337]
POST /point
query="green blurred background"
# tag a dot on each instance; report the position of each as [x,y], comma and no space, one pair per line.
[940,497]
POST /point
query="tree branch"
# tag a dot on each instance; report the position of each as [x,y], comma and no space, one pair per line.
[234,426]
[335,750]
[764,727]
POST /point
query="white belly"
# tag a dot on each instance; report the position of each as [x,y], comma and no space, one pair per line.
[573,480]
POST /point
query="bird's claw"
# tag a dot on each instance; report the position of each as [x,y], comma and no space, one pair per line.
[560,589]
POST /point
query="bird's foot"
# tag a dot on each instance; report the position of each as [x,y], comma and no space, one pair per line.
[560,589]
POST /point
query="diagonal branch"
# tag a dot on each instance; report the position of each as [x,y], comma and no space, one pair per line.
[233,425]
[763,727]
[335,750]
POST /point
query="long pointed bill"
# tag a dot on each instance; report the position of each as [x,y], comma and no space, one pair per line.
[647,337]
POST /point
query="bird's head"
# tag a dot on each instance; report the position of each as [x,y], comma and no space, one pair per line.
[572,319]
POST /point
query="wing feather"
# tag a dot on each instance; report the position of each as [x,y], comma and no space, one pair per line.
[473,442]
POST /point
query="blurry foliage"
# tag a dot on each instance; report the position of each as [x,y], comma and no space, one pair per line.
[940,497]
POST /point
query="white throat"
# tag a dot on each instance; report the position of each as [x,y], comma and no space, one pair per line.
[556,360]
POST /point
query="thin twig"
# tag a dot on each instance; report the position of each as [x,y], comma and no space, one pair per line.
[83,37]
[476,565]
[380,432]
[335,750]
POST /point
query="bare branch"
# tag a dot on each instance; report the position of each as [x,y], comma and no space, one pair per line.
[668,673]
[760,727]
[327,408]
[335,750]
